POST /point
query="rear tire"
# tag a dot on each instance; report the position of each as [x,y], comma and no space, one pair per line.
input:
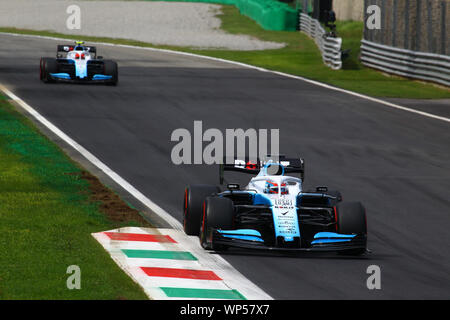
[111,69]
[218,213]
[47,66]
[194,197]
[41,69]
[351,219]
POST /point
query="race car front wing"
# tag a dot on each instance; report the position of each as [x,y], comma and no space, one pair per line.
[65,77]
[252,239]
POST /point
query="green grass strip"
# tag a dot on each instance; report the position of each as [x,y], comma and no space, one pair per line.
[46,221]
[159,254]
[302,57]
[202,293]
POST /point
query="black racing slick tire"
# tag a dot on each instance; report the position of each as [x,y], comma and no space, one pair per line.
[351,219]
[111,69]
[47,66]
[218,213]
[194,197]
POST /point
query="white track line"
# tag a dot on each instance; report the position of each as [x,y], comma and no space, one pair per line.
[317,83]
[94,160]
[213,261]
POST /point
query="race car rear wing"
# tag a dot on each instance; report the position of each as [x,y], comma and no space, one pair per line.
[69,47]
[291,165]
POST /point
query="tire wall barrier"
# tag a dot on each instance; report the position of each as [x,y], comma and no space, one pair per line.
[269,14]
[329,47]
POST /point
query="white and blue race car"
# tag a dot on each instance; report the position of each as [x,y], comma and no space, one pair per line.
[273,212]
[78,63]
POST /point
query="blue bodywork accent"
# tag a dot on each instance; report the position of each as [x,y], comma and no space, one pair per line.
[81,72]
[60,75]
[330,241]
[249,238]
[260,199]
[288,235]
[101,77]
[243,234]
[331,237]
[247,232]
[66,76]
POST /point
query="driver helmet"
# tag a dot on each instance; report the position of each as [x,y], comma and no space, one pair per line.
[272,187]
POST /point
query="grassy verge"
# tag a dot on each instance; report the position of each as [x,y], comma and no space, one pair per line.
[300,57]
[48,209]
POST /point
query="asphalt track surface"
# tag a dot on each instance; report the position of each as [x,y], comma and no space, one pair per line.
[397,163]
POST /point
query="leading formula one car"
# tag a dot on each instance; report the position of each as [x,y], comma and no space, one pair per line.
[273,212]
[78,63]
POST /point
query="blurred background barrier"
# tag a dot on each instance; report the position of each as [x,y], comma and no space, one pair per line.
[329,46]
[417,25]
[349,10]
[412,41]
[269,14]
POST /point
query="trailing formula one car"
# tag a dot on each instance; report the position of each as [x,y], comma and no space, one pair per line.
[273,212]
[78,63]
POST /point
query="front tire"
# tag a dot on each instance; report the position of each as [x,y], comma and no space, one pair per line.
[351,219]
[194,197]
[47,66]
[111,69]
[218,213]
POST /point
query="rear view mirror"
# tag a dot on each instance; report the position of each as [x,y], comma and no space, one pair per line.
[233,186]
